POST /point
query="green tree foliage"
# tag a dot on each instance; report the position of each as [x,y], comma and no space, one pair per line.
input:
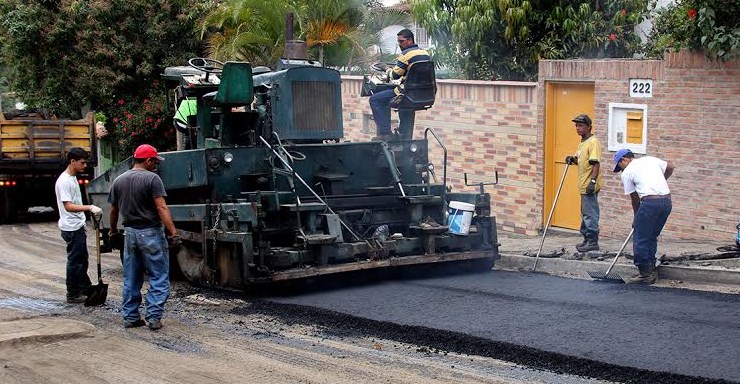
[246,30]
[709,25]
[69,54]
[66,54]
[504,39]
[5,101]
[337,32]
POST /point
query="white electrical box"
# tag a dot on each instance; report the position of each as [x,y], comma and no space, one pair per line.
[627,127]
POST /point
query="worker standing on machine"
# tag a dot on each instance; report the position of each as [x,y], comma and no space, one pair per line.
[588,159]
[184,120]
[380,102]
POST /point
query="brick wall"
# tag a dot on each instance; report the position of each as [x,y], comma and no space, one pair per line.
[487,127]
[693,120]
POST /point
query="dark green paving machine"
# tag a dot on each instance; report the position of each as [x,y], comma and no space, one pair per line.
[265,189]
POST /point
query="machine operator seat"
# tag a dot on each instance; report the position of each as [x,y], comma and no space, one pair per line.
[236,86]
[418,92]
[235,90]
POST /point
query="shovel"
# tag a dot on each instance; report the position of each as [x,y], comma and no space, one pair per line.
[99,292]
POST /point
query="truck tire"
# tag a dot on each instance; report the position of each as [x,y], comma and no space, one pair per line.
[8,208]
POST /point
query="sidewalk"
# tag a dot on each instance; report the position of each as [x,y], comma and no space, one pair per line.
[684,262]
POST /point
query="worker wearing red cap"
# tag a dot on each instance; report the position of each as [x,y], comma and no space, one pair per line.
[138,197]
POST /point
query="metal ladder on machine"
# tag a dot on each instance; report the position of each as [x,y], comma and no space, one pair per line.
[290,172]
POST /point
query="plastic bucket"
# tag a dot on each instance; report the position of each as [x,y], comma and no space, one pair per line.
[461,214]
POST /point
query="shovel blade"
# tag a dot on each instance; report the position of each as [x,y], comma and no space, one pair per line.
[98,294]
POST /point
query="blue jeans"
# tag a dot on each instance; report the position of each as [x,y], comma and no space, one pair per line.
[145,252]
[590,217]
[649,221]
[380,103]
[78,283]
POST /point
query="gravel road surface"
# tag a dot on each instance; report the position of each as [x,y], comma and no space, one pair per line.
[208,336]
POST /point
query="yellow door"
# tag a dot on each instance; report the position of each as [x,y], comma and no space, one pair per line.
[564,101]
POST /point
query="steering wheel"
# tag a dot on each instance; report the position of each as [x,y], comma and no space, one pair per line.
[380,67]
[206,65]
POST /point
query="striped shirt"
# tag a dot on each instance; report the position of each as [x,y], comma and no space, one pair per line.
[408,56]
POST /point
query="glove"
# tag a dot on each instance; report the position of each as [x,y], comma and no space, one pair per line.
[591,187]
[570,160]
[389,74]
[116,240]
[174,241]
[96,214]
[95,210]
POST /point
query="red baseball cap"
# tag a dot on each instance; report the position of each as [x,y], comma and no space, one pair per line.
[146,151]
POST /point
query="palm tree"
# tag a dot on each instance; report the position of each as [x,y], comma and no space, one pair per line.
[246,30]
[337,31]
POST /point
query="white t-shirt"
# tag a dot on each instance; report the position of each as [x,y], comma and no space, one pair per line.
[67,189]
[646,176]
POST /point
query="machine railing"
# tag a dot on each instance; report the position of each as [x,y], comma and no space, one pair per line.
[444,149]
[316,195]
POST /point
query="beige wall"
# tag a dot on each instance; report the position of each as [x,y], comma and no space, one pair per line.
[486,127]
[693,120]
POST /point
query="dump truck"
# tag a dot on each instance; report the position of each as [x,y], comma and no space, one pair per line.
[32,155]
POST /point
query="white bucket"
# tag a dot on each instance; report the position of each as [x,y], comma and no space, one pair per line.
[461,214]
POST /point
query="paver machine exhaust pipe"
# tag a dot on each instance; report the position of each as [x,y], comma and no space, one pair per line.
[549,218]
[606,276]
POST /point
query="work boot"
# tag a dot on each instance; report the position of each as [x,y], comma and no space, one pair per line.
[155,325]
[646,275]
[589,246]
[134,324]
[76,299]
[583,244]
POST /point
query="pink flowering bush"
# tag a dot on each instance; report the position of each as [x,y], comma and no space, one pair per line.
[141,120]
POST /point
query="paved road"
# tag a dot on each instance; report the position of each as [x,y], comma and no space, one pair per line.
[610,331]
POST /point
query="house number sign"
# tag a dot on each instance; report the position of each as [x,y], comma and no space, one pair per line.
[641,88]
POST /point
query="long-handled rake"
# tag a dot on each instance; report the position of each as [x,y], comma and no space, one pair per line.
[549,218]
[608,276]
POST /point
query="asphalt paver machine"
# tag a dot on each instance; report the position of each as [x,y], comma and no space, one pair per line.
[265,189]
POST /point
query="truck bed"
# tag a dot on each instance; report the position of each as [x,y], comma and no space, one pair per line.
[30,145]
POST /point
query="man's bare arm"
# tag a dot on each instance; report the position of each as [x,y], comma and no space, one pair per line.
[113,218]
[668,170]
[635,201]
[164,214]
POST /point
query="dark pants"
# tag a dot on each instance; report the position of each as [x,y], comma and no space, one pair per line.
[649,221]
[380,103]
[78,283]
[590,217]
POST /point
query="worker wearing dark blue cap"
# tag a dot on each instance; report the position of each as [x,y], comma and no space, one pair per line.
[645,180]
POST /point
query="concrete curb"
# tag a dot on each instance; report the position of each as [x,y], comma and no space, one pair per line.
[580,268]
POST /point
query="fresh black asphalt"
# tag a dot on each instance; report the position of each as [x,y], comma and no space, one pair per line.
[618,332]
